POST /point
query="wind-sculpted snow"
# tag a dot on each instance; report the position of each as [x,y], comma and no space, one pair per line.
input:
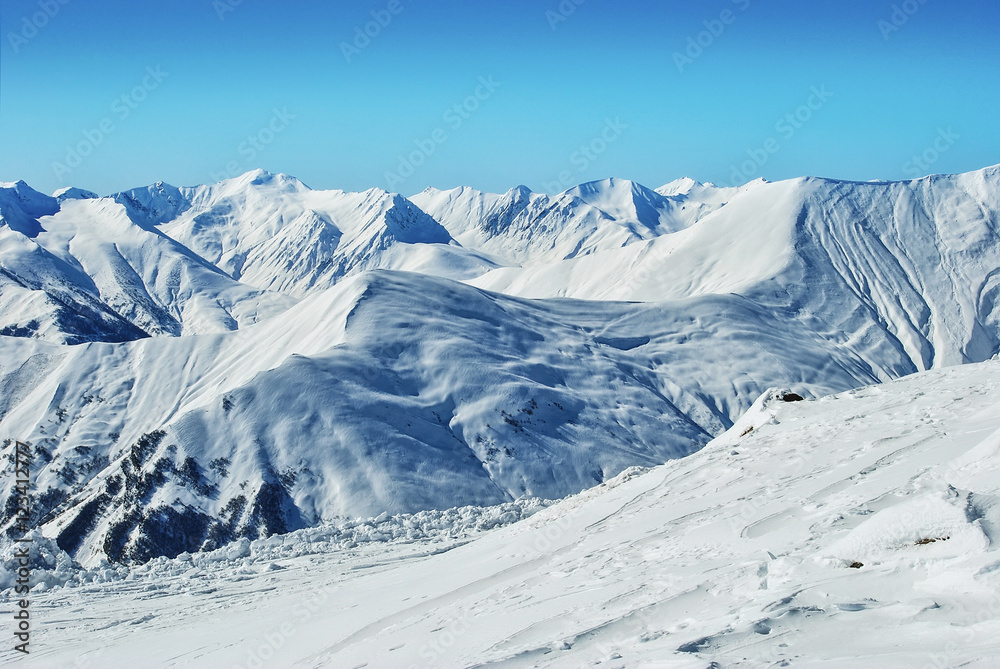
[921,258]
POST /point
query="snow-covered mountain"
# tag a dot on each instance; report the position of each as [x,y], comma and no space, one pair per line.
[904,273]
[391,392]
[76,268]
[272,232]
[522,227]
[195,365]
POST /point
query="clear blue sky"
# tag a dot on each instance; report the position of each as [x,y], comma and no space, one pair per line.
[895,93]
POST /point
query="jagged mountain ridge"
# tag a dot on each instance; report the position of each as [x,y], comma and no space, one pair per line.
[521,227]
[273,232]
[87,269]
[906,272]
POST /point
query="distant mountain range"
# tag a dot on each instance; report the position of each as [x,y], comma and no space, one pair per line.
[194,365]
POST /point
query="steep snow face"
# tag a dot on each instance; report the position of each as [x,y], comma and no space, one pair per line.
[857,530]
[921,260]
[21,206]
[154,204]
[390,392]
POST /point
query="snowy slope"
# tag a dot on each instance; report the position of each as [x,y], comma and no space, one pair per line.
[856,530]
[391,392]
[35,299]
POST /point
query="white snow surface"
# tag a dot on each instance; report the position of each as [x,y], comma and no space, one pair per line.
[858,529]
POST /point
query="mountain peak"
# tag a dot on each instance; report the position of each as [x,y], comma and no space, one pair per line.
[627,202]
[681,186]
[73,193]
[154,204]
[21,206]
[261,177]
[622,188]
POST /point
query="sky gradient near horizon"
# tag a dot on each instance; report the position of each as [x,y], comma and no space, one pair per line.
[111,95]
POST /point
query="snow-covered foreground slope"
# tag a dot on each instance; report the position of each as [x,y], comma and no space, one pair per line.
[856,530]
